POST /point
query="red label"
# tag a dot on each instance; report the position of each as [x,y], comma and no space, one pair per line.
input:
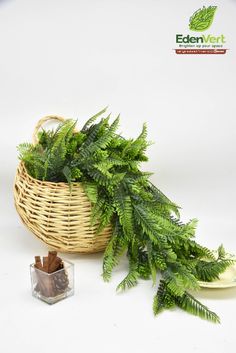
[200,51]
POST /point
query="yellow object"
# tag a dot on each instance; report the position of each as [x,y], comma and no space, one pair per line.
[56,215]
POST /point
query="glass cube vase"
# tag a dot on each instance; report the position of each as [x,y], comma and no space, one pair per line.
[52,287]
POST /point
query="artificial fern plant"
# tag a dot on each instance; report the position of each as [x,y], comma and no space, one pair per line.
[145,222]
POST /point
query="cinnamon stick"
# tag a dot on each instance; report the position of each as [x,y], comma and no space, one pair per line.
[38,262]
[52,256]
[50,286]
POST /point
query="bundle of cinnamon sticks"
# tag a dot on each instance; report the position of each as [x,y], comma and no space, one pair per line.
[52,278]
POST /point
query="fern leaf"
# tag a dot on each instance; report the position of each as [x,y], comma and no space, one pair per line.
[152,265]
[221,252]
[93,119]
[104,167]
[190,304]
[209,271]
[102,141]
[143,264]
[56,156]
[99,177]
[67,173]
[105,217]
[109,261]
[135,148]
[113,252]
[163,299]
[91,190]
[92,134]
[161,198]
[131,280]
[97,211]
[197,250]
[174,282]
[123,207]
[147,223]
[24,149]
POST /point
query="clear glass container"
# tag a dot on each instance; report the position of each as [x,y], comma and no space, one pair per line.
[52,287]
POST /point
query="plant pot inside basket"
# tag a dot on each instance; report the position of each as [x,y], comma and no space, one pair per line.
[56,215]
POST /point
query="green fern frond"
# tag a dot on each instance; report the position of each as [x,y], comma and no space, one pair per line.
[116,161]
[117,178]
[178,278]
[109,261]
[144,269]
[92,135]
[174,282]
[114,251]
[163,299]
[147,223]
[190,304]
[97,210]
[24,149]
[56,156]
[123,207]
[138,146]
[131,280]
[99,177]
[221,252]
[194,249]
[63,134]
[104,140]
[104,167]
[91,190]
[157,259]
[93,119]
[67,173]
[161,198]
[106,217]
[209,271]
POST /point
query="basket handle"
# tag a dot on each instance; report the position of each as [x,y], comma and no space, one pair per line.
[41,122]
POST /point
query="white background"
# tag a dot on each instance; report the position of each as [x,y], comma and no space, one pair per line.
[72,58]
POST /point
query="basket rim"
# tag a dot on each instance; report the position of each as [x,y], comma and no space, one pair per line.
[46,182]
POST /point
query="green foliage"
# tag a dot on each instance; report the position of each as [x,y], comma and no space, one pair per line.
[163,299]
[146,224]
[208,271]
[115,248]
[131,279]
[190,304]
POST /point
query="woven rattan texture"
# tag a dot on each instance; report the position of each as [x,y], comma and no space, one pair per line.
[57,216]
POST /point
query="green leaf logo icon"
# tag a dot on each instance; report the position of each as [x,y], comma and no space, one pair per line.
[202,19]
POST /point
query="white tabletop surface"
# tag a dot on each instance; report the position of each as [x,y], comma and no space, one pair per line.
[72,58]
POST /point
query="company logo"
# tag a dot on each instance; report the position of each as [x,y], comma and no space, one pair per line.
[206,43]
[202,19]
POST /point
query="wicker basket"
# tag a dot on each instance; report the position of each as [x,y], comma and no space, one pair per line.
[57,216]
